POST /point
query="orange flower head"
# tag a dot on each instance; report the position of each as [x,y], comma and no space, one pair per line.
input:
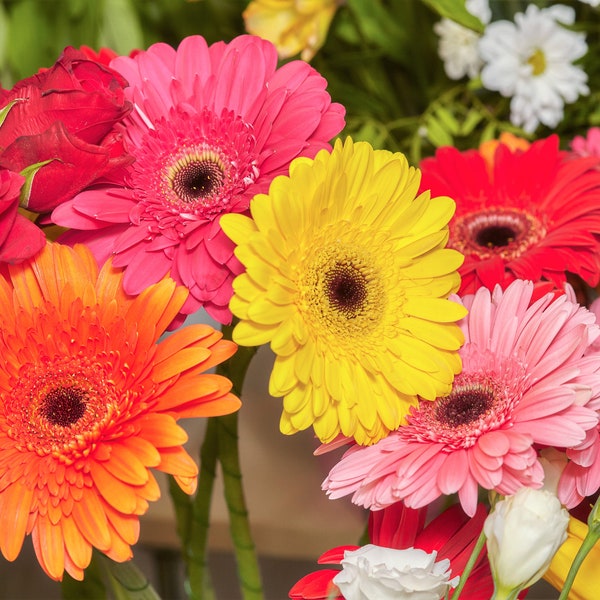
[89,402]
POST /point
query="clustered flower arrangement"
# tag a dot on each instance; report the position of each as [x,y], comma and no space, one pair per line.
[419,246]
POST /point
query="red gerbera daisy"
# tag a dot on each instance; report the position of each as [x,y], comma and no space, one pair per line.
[451,534]
[211,127]
[531,213]
[89,403]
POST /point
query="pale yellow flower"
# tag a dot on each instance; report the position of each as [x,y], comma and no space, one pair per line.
[294,26]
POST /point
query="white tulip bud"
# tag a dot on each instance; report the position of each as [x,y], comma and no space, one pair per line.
[523,532]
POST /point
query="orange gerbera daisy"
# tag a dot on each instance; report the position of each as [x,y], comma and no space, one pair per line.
[89,401]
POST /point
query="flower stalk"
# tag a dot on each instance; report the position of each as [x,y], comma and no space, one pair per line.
[469,566]
[592,537]
[220,444]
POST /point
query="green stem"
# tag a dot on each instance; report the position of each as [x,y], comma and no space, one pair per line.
[196,549]
[245,551]
[470,564]
[229,457]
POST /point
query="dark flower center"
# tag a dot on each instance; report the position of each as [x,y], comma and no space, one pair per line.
[464,406]
[64,406]
[197,180]
[496,231]
[346,289]
[495,236]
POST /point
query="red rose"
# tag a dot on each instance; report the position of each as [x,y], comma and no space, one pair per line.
[58,125]
[19,237]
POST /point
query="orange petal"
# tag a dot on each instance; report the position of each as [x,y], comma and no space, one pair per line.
[177,461]
[116,493]
[125,465]
[189,388]
[161,430]
[220,352]
[188,358]
[77,547]
[15,506]
[49,547]
[223,405]
[187,484]
[91,520]
[128,526]
[143,449]
[182,338]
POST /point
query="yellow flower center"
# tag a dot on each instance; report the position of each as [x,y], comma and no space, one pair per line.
[196,176]
[538,61]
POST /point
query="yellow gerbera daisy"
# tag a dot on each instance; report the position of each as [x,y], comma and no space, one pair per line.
[347,277]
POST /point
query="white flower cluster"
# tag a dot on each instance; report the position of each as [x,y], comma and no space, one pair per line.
[529,60]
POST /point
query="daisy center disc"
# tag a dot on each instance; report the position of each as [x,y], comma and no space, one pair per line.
[61,406]
[64,406]
[193,167]
[195,177]
[342,293]
[496,232]
[481,400]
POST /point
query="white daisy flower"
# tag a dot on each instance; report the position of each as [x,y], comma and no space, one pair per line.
[531,61]
[458,45]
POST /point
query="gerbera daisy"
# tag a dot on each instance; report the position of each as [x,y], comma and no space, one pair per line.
[525,381]
[211,127]
[451,535]
[531,61]
[89,402]
[347,277]
[529,214]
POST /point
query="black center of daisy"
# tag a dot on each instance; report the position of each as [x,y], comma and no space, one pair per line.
[346,288]
[197,180]
[64,406]
[495,236]
[463,406]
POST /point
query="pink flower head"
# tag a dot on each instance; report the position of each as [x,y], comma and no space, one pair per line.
[526,380]
[211,127]
[581,476]
[588,145]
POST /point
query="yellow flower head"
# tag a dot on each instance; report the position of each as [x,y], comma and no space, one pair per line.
[293,26]
[348,278]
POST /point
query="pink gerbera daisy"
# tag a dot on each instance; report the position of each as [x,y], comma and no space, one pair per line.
[581,476]
[525,381]
[211,127]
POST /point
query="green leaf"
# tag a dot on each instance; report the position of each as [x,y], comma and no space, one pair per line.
[91,588]
[437,134]
[121,29]
[126,581]
[456,10]
[29,173]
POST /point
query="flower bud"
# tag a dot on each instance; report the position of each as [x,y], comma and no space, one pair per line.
[378,573]
[523,533]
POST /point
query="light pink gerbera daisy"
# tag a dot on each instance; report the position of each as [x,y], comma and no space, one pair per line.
[525,381]
[581,476]
[211,127]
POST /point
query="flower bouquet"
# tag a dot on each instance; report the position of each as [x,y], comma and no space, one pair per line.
[401,200]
